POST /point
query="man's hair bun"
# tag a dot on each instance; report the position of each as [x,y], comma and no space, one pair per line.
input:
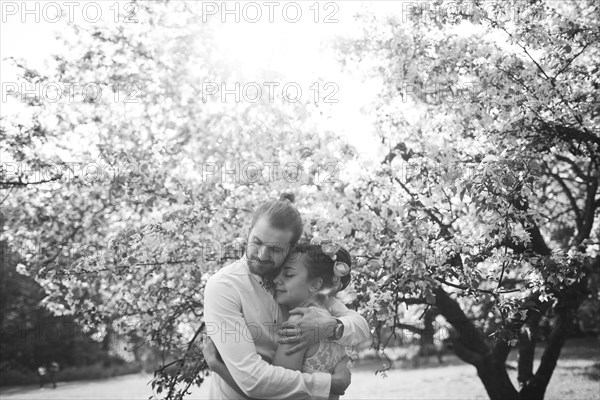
[287,196]
[281,214]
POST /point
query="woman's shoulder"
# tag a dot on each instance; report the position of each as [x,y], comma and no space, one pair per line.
[329,303]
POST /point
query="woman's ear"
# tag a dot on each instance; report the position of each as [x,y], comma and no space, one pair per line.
[316,285]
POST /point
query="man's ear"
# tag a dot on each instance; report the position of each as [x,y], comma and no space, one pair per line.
[291,247]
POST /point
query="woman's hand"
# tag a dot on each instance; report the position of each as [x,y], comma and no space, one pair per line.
[341,377]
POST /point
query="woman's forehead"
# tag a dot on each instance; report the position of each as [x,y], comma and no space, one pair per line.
[295,260]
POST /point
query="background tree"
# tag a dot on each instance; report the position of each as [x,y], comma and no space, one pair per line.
[495,178]
[119,219]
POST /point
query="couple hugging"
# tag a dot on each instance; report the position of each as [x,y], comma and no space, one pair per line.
[275,329]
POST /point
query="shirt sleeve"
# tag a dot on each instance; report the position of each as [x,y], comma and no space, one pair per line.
[258,379]
[356,328]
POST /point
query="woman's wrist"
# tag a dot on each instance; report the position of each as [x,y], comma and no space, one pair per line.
[338,331]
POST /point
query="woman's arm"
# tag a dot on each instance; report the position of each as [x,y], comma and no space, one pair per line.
[293,361]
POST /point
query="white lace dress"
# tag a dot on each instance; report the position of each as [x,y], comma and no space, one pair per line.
[325,359]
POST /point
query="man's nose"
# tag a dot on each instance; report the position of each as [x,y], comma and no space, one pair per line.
[264,253]
[278,281]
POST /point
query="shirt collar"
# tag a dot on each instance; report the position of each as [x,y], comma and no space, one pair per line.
[264,284]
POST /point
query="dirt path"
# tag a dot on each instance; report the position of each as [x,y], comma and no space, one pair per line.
[572,381]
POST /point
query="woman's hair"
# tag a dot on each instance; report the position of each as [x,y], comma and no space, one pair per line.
[281,214]
[320,265]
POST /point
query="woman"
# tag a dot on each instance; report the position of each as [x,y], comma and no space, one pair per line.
[312,275]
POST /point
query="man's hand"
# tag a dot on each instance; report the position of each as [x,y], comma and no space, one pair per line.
[211,354]
[341,377]
[315,324]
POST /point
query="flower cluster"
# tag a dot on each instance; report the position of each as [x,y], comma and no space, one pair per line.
[330,249]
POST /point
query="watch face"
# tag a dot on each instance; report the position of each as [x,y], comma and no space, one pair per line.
[338,330]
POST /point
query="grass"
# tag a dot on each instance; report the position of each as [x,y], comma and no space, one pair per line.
[88,372]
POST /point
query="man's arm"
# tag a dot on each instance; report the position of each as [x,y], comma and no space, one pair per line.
[356,327]
[317,324]
[222,371]
[340,379]
[215,363]
[255,377]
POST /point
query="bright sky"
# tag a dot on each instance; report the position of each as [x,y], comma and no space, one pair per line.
[295,51]
[290,52]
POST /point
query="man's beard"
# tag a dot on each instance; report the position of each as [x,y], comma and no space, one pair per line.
[262,269]
[268,274]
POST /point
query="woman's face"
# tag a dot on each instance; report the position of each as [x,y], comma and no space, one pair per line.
[292,285]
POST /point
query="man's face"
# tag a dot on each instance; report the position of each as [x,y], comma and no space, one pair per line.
[267,247]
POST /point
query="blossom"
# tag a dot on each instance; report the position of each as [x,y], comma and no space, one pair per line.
[330,249]
[341,269]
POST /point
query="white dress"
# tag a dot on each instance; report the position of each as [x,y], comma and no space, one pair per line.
[325,359]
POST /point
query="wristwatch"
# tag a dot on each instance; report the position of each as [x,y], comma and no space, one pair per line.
[338,331]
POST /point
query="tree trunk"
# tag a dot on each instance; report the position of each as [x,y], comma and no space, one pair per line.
[470,346]
[535,388]
[427,338]
[495,379]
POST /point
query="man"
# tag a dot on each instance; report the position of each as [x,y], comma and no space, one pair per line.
[241,317]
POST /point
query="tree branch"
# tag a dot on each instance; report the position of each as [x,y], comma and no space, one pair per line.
[588,212]
[571,60]
[569,133]
[412,300]
[410,328]
[527,341]
[573,164]
[470,345]
[21,183]
[501,351]
[567,192]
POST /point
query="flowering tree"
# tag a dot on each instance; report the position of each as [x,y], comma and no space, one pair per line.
[488,198]
[483,206]
[121,200]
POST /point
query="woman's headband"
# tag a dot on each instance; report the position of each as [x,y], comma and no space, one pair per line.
[330,248]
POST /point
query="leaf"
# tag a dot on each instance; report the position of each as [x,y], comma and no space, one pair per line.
[429,297]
